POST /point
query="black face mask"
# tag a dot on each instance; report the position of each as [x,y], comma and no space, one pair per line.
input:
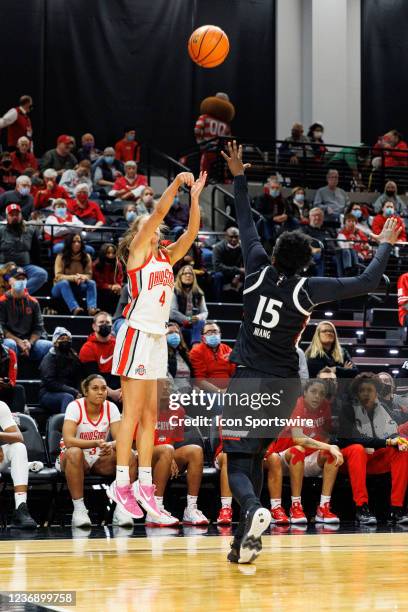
[390,193]
[111,260]
[65,346]
[6,163]
[104,330]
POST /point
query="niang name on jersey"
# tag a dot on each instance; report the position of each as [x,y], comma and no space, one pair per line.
[262,333]
[162,277]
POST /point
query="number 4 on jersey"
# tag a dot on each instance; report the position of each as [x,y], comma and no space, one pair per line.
[162,299]
[269,307]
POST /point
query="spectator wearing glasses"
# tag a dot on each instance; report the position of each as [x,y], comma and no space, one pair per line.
[188,307]
[20,195]
[325,351]
[212,368]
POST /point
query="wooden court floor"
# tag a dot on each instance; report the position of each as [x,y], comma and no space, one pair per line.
[295,572]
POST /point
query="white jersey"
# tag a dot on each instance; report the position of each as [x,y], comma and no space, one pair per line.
[88,429]
[150,289]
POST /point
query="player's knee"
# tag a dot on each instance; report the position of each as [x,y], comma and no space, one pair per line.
[18,452]
[296,455]
[74,456]
[194,453]
[165,453]
[273,462]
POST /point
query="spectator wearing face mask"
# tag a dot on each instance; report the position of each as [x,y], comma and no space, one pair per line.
[45,197]
[396,405]
[22,158]
[62,223]
[228,263]
[60,158]
[361,215]
[81,174]
[108,275]
[20,195]
[61,373]
[105,171]
[277,214]
[8,174]
[145,203]
[128,149]
[179,364]
[212,368]
[131,185]
[85,209]
[354,247]
[388,211]
[390,195]
[21,319]
[88,151]
[299,205]
[315,136]
[20,243]
[97,353]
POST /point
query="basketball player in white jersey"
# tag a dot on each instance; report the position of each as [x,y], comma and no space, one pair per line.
[85,449]
[140,356]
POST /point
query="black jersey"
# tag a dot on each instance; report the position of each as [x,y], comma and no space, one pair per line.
[273,321]
[276,308]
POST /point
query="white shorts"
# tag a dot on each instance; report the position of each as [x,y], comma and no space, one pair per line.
[312,468]
[90,458]
[139,355]
[5,463]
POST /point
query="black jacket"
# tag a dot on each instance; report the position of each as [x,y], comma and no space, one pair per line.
[227,260]
[60,373]
[318,363]
[172,360]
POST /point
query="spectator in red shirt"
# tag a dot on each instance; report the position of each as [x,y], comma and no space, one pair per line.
[18,122]
[22,158]
[128,148]
[85,209]
[388,210]
[108,275]
[97,354]
[10,392]
[354,247]
[64,224]
[130,186]
[403,299]
[392,149]
[210,360]
[44,197]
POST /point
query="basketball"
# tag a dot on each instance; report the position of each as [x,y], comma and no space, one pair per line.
[208,46]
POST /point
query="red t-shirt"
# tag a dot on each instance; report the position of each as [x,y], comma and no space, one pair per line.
[402,297]
[43,196]
[109,275]
[91,210]
[209,364]
[124,183]
[322,424]
[21,162]
[101,352]
[379,222]
[127,150]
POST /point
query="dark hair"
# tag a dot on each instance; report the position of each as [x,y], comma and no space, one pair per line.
[210,322]
[85,383]
[101,261]
[365,377]
[349,217]
[101,313]
[314,127]
[182,346]
[67,251]
[25,100]
[313,381]
[292,253]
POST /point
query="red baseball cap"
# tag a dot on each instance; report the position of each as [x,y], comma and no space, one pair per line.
[12,207]
[65,139]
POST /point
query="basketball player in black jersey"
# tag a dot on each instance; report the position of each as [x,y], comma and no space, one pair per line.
[278,303]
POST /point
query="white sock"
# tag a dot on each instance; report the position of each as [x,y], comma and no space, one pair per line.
[145,475]
[296,500]
[191,501]
[122,475]
[79,504]
[324,499]
[159,501]
[20,498]
[276,503]
[226,502]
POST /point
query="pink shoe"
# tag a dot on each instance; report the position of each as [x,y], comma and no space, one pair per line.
[125,498]
[145,496]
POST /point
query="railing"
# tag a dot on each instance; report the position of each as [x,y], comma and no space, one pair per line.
[161,164]
[307,163]
[225,213]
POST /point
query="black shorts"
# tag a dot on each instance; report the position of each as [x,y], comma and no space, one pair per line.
[240,434]
[190,437]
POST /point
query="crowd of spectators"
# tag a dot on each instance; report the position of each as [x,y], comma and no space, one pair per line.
[79,201]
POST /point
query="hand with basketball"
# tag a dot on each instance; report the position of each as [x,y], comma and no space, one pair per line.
[234,159]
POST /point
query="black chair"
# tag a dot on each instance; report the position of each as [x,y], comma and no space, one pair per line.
[36,451]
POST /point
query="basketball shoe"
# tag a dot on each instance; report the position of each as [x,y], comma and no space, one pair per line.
[124,497]
[225,516]
[296,513]
[279,516]
[145,496]
[325,515]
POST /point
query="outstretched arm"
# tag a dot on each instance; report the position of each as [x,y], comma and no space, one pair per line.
[182,245]
[253,252]
[143,237]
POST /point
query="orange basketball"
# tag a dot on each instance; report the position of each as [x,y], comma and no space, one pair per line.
[208,46]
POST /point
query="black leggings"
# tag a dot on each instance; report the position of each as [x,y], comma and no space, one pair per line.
[245,477]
